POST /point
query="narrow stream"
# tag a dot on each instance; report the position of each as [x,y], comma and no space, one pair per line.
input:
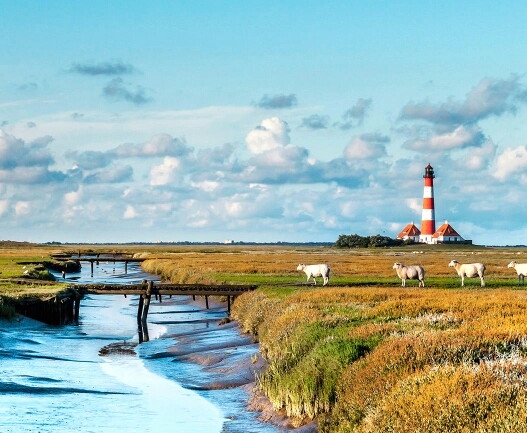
[52,379]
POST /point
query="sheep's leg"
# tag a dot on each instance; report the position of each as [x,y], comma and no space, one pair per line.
[482,281]
[403,283]
[521,277]
[462,281]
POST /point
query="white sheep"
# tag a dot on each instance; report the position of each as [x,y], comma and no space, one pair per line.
[521,270]
[414,272]
[313,271]
[470,270]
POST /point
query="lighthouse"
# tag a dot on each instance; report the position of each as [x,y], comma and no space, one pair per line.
[428,234]
[428,219]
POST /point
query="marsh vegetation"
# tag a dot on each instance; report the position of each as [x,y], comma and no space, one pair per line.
[364,354]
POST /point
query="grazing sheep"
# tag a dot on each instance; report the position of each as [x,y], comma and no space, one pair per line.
[315,271]
[470,270]
[414,272]
[521,270]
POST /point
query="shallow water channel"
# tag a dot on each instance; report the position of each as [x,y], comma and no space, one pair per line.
[52,379]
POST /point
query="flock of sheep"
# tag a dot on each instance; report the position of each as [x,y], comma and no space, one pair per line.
[417,272]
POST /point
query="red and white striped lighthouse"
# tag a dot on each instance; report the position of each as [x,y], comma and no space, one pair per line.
[428,219]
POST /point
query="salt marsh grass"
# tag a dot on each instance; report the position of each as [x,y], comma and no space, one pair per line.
[366,355]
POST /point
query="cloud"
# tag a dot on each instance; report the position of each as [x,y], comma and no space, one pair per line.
[490,97]
[16,152]
[158,145]
[71,198]
[164,173]
[102,68]
[277,101]
[270,134]
[510,162]
[460,137]
[130,212]
[22,208]
[117,90]
[355,115]
[315,121]
[217,156]
[28,87]
[90,159]
[111,175]
[366,146]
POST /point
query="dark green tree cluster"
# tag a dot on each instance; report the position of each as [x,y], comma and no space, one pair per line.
[356,241]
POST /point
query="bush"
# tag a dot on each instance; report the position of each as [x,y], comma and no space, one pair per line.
[356,241]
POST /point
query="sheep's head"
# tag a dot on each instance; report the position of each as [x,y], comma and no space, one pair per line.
[300,267]
[512,264]
[396,265]
[453,263]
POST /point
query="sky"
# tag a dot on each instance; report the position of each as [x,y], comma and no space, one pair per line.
[260,121]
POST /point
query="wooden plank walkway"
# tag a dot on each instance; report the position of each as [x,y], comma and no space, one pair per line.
[146,290]
[165,289]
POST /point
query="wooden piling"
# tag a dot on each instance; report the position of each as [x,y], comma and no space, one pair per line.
[147,297]
[140,310]
[77,309]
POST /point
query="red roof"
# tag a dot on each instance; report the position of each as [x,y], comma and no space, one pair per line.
[409,231]
[446,230]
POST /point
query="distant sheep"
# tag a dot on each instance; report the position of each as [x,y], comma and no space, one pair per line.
[313,271]
[470,270]
[521,270]
[414,272]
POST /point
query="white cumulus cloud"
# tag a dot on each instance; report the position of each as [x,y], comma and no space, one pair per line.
[129,212]
[510,161]
[270,134]
[164,173]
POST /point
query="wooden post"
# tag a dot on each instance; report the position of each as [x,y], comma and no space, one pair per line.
[146,305]
[77,308]
[140,310]
[207,301]
[91,263]
[125,267]
[140,306]
[147,296]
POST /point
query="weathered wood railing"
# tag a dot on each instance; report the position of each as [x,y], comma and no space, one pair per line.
[147,289]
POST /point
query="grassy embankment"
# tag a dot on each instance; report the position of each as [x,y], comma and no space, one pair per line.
[13,257]
[366,355]
[22,274]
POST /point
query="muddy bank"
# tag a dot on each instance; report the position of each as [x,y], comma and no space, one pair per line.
[222,358]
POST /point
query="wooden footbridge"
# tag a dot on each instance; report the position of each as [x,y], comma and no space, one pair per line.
[147,289]
[65,307]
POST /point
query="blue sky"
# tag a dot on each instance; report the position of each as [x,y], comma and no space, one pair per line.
[260,121]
